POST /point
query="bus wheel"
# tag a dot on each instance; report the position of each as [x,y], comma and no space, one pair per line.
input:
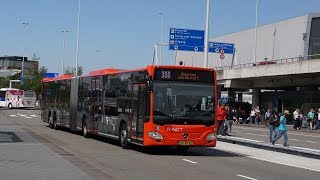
[55,126]
[50,122]
[85,129]
[10,106]
[124,137]
[183,149]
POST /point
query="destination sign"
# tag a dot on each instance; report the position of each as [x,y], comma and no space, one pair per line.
[183,75]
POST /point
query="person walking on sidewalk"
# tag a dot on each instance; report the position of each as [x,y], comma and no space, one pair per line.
[310,118]
[282,129]
[252,116]
[230,115]
[267,116]
[318,124]
[296,119]
[273,120]
[221,116]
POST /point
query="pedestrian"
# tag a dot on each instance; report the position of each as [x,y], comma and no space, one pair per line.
[252,116]
[273,121]
[267,116]
[230,116]
[282,129]
[221,116]
[296,119]
[310,118]
[300,119]
[318,124]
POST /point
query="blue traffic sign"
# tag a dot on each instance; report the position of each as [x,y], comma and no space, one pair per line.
[51,75]
[222,48]
[186,40]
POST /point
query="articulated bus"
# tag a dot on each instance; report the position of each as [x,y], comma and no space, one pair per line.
[151,106]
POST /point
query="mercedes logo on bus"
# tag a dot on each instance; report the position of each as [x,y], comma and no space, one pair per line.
[185,135]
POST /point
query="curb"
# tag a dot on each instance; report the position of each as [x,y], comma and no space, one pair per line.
[299,151]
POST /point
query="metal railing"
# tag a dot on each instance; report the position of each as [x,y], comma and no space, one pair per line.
[271,62]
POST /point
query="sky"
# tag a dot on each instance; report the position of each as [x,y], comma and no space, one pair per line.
[122,33]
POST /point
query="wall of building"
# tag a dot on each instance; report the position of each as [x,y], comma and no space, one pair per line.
[280,40]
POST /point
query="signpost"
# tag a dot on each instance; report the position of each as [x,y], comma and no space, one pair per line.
[186,40]
[222,48]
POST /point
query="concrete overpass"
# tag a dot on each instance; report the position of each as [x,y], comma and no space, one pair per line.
[285,73]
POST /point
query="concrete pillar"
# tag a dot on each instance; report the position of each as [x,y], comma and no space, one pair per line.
[231,94]
[256,95]
[240,97]
[219,92]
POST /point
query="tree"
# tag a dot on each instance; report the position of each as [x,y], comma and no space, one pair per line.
[33,81]
[71,70]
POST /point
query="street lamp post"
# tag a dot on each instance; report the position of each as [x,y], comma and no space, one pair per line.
[161,30]
[25,24]
[206,37]
[63,50]
[256,33]
[98,58]
[78,32]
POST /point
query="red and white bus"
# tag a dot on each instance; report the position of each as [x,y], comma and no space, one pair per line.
[151,106]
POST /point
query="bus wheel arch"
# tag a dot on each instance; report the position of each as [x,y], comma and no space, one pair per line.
[123,135]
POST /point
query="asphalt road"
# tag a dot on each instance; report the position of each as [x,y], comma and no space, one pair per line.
[43,153]
[296,137]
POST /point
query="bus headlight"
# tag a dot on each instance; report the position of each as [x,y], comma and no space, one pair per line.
[155,135]
[211,136]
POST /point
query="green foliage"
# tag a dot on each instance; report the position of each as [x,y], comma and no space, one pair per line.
[33,81]
[71,70]
[5,81]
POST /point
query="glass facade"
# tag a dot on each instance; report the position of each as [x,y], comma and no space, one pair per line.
[314,43]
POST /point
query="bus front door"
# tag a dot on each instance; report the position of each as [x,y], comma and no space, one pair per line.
[138,112]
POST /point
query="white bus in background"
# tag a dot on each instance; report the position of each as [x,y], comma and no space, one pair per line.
[16,98]
[29,99]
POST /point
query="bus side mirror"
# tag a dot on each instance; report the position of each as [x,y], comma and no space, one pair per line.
[149,84]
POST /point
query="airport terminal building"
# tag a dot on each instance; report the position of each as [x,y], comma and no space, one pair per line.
[296,37]
[279,68]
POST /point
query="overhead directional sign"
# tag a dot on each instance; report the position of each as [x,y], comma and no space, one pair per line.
[51,75]
[222,48]
[186,40]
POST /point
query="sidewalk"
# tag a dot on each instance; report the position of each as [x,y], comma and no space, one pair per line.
[289,127]
[294,150]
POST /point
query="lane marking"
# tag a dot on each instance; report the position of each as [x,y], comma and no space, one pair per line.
[32,115]
[190,161]
[13,115]
[294,140]
[250,133]
[22,115]
[28,117]
[246,177]
[311,142]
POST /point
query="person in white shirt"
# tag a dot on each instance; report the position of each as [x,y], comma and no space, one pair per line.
[296,119]
[252,116]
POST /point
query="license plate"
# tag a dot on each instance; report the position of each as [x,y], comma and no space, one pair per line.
[185,143]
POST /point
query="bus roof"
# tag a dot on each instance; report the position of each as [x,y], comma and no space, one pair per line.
[105,71]
[65,76]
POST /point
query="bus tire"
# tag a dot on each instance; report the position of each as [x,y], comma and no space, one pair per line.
[10,106]
[50,123]
[85,128]
[55,126]
[183,150]
[123,136]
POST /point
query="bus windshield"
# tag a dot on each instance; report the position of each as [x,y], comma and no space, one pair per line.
[183,102]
